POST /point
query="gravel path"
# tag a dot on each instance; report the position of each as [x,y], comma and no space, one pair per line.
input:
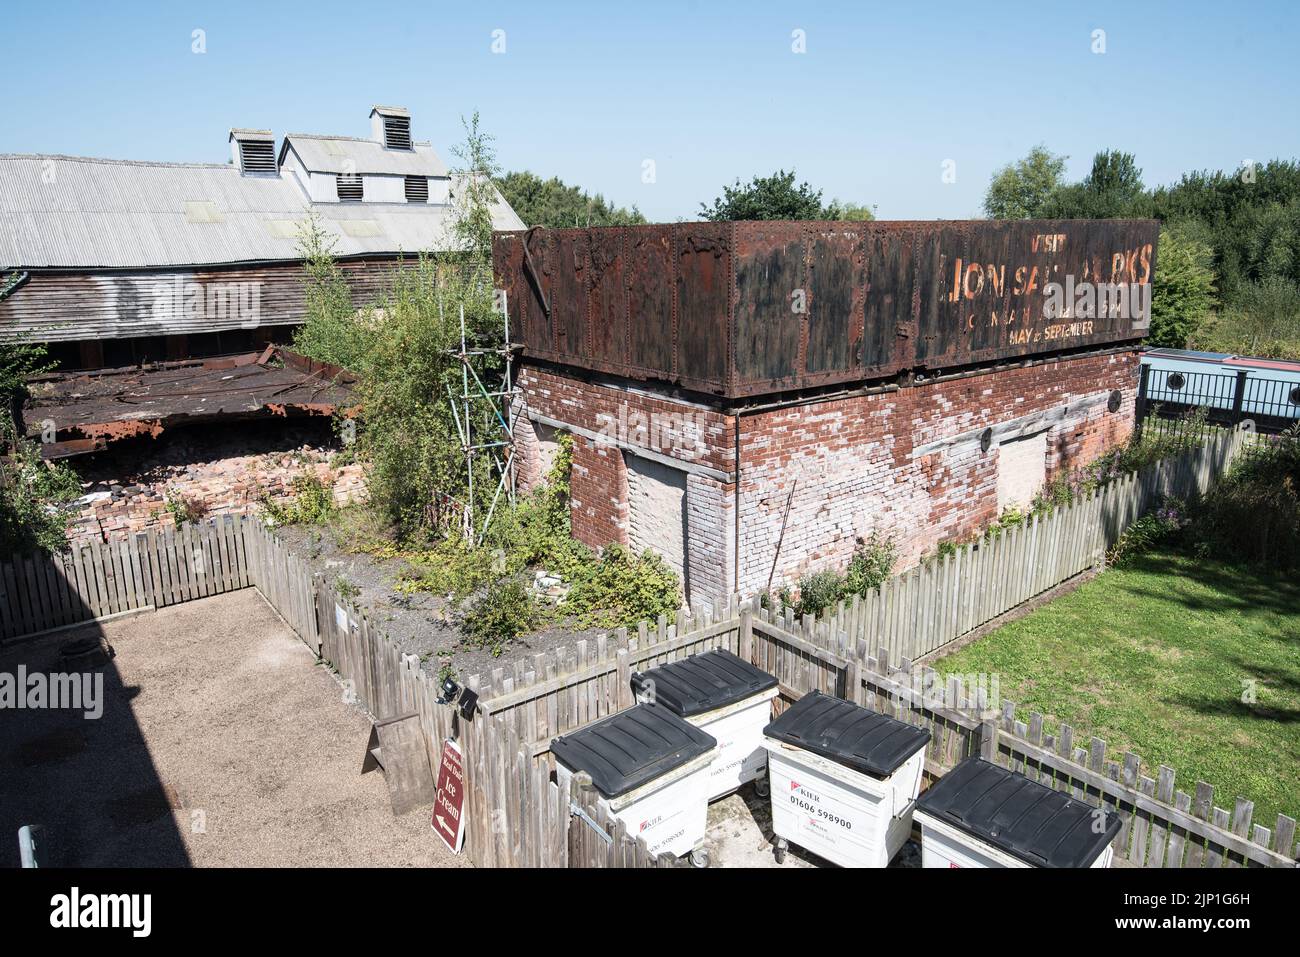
[222,743]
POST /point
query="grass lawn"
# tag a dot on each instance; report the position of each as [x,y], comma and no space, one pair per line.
[1152,658]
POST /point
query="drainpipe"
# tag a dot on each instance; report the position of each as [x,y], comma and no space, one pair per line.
[10,285]
[735,552]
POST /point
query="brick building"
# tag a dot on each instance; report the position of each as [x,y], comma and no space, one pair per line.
[916,385]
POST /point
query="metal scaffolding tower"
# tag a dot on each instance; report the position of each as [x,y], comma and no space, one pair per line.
[485,423]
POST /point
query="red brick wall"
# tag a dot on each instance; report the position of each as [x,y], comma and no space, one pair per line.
[905,463]
[598,493]
[690,432]
[862,465]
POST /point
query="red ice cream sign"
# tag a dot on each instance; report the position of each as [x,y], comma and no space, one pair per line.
[448,821]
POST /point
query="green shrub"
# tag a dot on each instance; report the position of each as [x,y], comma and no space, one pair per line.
[1152,529]
[622,589]
[183,509]
[499,616]
[870,567]
[817,592]
[312,503]
[33,494]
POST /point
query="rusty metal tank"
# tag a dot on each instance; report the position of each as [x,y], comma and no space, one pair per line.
[742,309]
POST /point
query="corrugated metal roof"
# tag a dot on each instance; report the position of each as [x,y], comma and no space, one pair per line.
[75,212]
[343,154]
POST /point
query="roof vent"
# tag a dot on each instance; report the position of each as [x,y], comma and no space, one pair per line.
[254,151]
[391,125]
[350,188]
[417,189]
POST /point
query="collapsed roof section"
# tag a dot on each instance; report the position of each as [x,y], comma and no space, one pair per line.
[76,414]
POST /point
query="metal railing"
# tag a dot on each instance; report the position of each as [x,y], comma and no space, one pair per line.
[1273,405]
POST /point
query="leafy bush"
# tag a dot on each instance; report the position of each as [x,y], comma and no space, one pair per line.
[499,616]
[622,589]
[312,503]
[183,509]
[618,588]
[1153,528]
[33,494]
[870,567]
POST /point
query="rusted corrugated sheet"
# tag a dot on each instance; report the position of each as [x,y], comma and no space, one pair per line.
[72,306]
[741,309]
[88,411]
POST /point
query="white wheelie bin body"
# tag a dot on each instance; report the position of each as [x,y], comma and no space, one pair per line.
[981,814]
[843,779]
[725,696]
[651,770]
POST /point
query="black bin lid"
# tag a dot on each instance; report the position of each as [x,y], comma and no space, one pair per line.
[850,735]
[632,748]
[704,682]
[1029,820]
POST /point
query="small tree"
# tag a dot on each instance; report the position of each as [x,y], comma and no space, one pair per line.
[332,331]
[474,193]
[1020,190]
[851,212]
[767,197]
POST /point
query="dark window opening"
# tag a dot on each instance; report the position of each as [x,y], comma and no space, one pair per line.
[142,350]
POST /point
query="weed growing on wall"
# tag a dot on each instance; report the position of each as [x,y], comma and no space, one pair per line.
[182,509]
[872,563]
[33,494]
[312,503]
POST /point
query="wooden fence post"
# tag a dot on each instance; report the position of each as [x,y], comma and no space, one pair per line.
[989,740]
[746,646]
[623,693]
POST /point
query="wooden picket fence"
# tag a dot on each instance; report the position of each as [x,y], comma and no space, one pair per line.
[42,592]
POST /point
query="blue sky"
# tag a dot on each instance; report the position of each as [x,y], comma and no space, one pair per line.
[883,95]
